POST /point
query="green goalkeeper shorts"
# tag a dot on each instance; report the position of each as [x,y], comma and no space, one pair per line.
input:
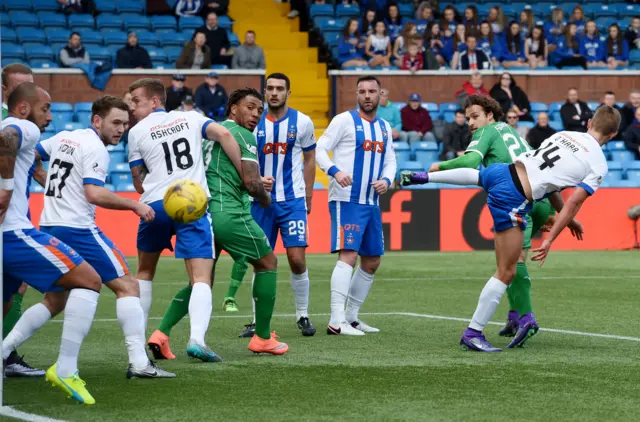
[539,215]
[240,236]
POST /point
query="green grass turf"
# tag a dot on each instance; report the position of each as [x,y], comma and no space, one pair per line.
[412,370]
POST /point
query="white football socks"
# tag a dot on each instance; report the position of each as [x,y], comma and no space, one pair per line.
[30,322]
[360,285]
[200,307]
[465,177]
[146,289]
[78,316]
[131,319]
[340,280]
[488,303]
[300,287]
[253,300]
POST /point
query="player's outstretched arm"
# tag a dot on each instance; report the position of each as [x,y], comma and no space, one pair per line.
[104,198]
[227,142]
[9,146]
[253,182]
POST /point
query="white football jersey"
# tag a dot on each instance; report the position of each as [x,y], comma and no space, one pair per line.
[76,159]
[280,145]
[18,213]
[565,160]
[170,147]
[362,149]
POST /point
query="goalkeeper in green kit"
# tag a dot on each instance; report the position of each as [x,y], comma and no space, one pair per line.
[496,142]
[234,229]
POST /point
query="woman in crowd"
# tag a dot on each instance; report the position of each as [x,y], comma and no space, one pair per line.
[458,43]
[471,20]
[441,48]
[526,23]
[490,44]
[591,47]
[496,19]
[393,21]
[577,18]
[554,28]
[513,49]
[195,54]
[424,15]
[351,46]
[449,19]
[567,51]
[617,48]
[535,48]
[632,35]
[402,42]
[511,97]
[378,46]
[368,22]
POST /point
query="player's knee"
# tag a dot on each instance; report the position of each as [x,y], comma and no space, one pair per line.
[349,257]
[506,275]
[298,265]
[55,303]
[267,263]
[84,276]
[370,264]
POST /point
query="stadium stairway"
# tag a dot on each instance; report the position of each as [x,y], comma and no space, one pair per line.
[286,50]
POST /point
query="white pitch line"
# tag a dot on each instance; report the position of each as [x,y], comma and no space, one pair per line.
[24,416]
[406,314]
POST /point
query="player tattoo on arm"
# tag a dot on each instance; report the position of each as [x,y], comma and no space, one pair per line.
[138,173]
[9,146]
[253,182]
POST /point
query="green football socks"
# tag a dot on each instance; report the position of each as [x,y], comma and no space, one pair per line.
[177,310]
[264,294]
[237,275]
[13,316]
[519,291]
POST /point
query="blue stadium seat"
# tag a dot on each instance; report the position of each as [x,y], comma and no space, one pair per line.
[172,53]
[348,10]
[426,146]
[318,186]
[61,107]
[449,116]
[110,187]
[4,17]
[84,118]
[613,175]
[603,23]
[21,18]
[616,146]
[85,106]
[225,22]
[136,22]
[190,22]
[632,165]
[170,38]
[52,20]
[45,5]
[8,35]
[606,10]
[81,21]
[119,167]
[130,6]
[538,107]
[164,22]
[527,125]
[36,188]
[425,157]
[157,54]
[106,6]
[449,107]
[402,150]
[115,148]
[68,126]
[155,64]
[219,67]
[118,156]
[17,4]
[114,38]
[634,56]
[431,107]
[43,64]
[107,20]
[556,125]
[628,10]
[410,165]
[147,39]
[57,35]
[634,175]
[234,40]
[406,10]
[99,53]
[128,187]
[593,105]
[39,52]
[555,107]
[60,118]
[12,60]
[622,156]
[89,36]
[320,10]
[31,35]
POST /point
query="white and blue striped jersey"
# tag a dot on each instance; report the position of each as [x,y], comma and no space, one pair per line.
[362,149]
[280,147]
[18,213]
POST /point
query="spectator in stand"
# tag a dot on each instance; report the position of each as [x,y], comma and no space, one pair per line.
[177,92]
[511,98]
[473,58]
[456,137]
[526,23]
[496,19]
[458,44]
[76,6]
[512,120]
[195,54]
[424,15]
[535,48]
[367,26]
[616,48]
[74,52]
[248,55]
[393,21]
[632,136]
[540,132]
[575,113]
[449,20]
[378,46]
[390,113]
[591,47]
[428,58]
[473,86]
[554,27]
[188,105]
[413,60]
[490,44]
[401,43]
[471,20]
[217,40]
[351,46]
[629,110]
[211,97]
[567,49]
[219,7]
[433,41]
[416,121]
[632,35]
[132,56]
[577,18]
[609,99]
[187,7]
[513,48]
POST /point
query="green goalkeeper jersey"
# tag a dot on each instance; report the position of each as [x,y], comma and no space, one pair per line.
[228,193]
[497,143]
[5,111]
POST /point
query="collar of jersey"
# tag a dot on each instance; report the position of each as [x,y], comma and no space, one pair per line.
[159,110]
[94,131]
[275,122]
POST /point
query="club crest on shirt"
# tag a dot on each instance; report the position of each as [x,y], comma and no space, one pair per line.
[291,134]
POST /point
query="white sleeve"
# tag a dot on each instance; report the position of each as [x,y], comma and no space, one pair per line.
[308,138]
[327,142]
[389,166]
[594,178]
[135,158]
[95,163]
[201,122]
[45,148]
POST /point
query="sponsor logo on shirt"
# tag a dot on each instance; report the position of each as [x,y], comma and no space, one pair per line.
[359,128]
[374,146]
[275,148]
[99,170]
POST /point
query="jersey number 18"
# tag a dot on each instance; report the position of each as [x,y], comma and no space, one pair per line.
[181,154]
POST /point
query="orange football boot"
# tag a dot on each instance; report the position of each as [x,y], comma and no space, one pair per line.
[159,345]
[272,345]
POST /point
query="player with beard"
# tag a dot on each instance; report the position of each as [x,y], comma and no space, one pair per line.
[363,166]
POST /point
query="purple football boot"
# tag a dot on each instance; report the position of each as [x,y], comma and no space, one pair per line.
[511,328]
[408,177]
[527,328]
[474,340]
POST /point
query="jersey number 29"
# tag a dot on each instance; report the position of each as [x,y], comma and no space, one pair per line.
[181,154]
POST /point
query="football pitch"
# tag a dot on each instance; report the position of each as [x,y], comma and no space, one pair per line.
[583,365]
